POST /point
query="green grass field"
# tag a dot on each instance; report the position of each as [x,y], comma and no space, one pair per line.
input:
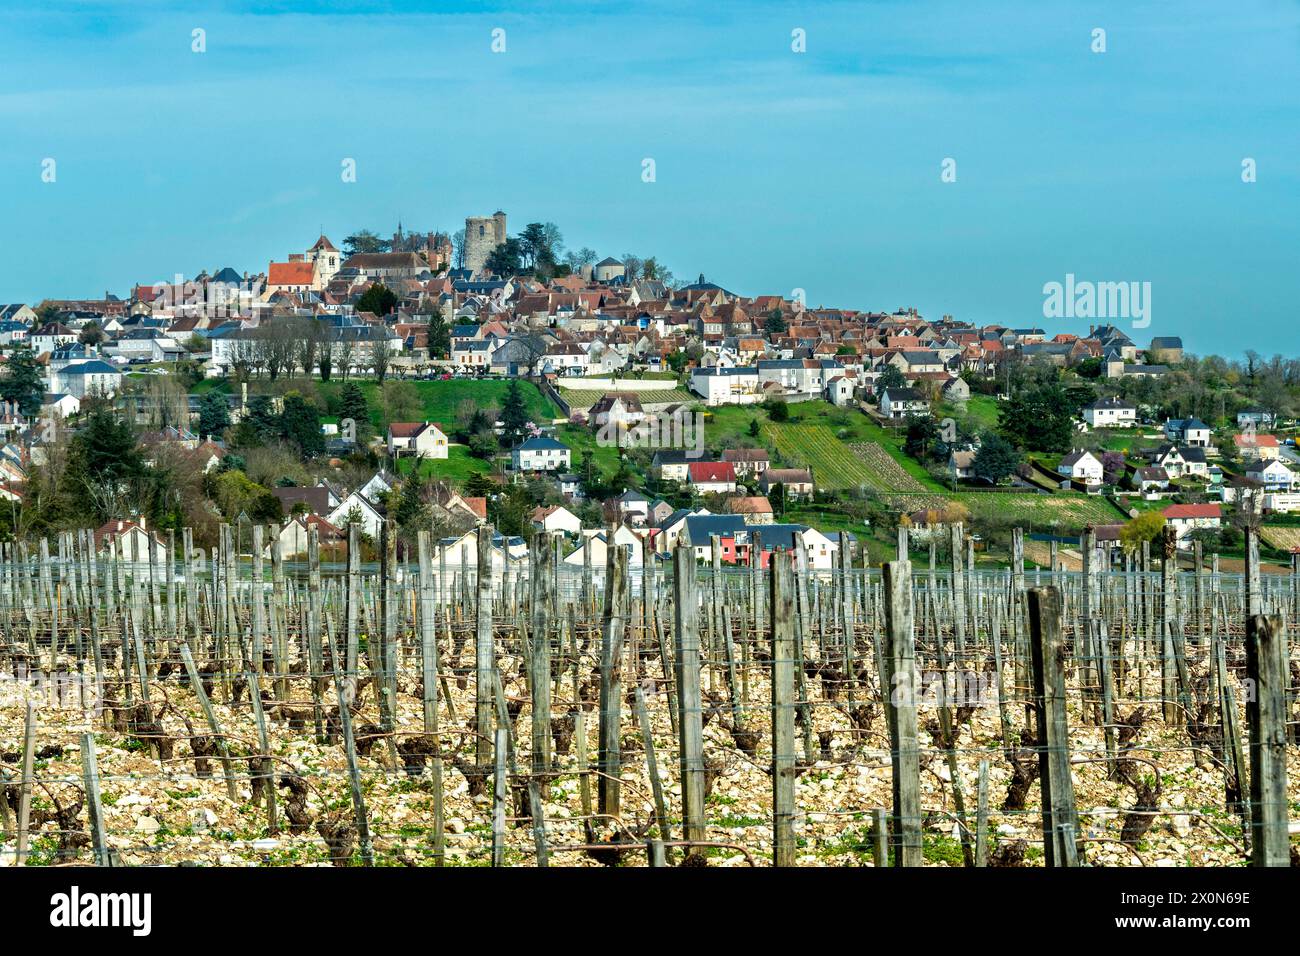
[457,466]
[581,440]
[442,399]
[212,385]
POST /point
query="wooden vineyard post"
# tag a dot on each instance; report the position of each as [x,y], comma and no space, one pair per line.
[484,664]
[94,801]
[652,765]
[25,784]
[781,585]
[982,817]
[1266,721]
[1047,650]
[540,647]
[344,695]
[958,596]
[429,680]
[609,760]
[499,799]
[900,687]
[210,715]
[690,717]
[880,836]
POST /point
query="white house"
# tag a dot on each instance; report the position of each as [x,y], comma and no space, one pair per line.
[1081,466]
[418,439]
[898,402]
[60,405]
[1186,518]
[540,453]
[712,477]
[556,518]
[597,543]
[1188,431]
[1272,474]
[91,378]
[726,386]
[358,507]
[133,541]
[839,389]
[1110,413]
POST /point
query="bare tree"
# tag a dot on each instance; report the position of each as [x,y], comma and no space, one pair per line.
[381,354]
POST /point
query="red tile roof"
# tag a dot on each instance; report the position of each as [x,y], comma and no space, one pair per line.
[1193,511]
[290,273]
[701,471]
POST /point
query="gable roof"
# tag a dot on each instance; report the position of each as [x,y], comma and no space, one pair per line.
[707,471]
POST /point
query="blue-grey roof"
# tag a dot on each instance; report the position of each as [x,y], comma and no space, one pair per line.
[91,367]
[541,443]
[699,528]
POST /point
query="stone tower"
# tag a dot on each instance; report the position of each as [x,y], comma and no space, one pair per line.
[482,235]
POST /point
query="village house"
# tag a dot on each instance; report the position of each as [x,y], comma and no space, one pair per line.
[726,386]
[901,402]
[962,463]
[594,548]
[671,464]
[1272,475]
[711,477]
[356,507]
[748,462]
[1181,461]
[755,509]
[1255,447]
[1081,465]
[540,453]
[1188,431]
[132,541]
[1110,413]
[294,533]
[555,518]
[616,411]
[1150,478]
[1187,518]
[797,482]
[417,440]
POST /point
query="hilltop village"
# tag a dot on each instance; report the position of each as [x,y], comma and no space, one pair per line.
[449,379]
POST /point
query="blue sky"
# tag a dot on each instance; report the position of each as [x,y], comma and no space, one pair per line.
[775,170]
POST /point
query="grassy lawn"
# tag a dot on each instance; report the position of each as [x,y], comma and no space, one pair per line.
[212,385]
[457,466]
[441,399]
[582,440]
[980,413]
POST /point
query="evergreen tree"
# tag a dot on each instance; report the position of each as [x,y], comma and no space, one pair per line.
[890,377]
[996,459]
[439,335]
[23,383]
[514,416]
[214,414]
[378,299]
[352,404]
[1039,417]
[300,425]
